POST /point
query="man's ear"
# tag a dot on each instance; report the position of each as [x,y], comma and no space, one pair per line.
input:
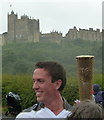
[58,83]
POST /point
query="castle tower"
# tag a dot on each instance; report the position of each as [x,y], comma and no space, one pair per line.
[23,29]
[36,32]
[33,30]
[11,27]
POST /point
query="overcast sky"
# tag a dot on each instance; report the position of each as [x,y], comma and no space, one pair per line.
[59,15]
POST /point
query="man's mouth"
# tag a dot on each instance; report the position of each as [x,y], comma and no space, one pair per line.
[38,93]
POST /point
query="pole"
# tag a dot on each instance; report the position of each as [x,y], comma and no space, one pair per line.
[85,70]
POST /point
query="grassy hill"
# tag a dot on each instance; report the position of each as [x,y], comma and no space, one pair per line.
[21,58]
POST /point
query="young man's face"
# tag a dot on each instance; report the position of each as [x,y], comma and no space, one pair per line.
[44,88]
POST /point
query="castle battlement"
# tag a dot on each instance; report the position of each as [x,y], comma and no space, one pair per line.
[84,34]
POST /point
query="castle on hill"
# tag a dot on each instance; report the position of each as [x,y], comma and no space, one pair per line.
[26,29]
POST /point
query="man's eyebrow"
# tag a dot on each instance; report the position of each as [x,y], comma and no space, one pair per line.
[37,79]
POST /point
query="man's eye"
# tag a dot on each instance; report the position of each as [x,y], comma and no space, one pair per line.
[34,81]
[41,81]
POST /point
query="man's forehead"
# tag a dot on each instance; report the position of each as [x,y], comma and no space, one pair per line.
[41,71]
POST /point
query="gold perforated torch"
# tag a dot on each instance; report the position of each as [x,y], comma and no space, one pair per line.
[85,74]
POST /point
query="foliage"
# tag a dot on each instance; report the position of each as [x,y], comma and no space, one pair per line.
[22,85]
[20,58]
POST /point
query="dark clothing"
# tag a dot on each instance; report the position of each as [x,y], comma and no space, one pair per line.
[103,99]
[98,97]
[98,94]
[13,104]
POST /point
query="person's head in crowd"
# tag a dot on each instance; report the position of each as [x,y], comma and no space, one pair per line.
[98,94]
[96,88]
[86,110]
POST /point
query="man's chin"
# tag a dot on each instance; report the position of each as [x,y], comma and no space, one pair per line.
[39,99]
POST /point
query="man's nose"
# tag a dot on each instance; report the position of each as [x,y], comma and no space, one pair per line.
[35,85]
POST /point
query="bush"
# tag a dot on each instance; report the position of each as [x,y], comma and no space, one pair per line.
[22,85]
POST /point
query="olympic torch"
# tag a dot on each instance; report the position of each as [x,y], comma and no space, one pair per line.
[85,74]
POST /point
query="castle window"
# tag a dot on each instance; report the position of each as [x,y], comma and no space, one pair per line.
[20,36]
[16,36]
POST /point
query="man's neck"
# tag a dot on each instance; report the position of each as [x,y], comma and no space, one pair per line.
[56,106]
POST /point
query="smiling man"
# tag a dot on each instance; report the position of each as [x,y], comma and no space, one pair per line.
[49,79]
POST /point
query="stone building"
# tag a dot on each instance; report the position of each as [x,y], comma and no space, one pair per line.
[84,34]
[21,30]
[51,37]
[1,40]
[26,29]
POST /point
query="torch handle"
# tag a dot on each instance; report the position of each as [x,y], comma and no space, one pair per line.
[85,81]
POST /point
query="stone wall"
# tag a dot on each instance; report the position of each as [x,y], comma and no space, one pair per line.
[51,37]
[84,34]
[1,40]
